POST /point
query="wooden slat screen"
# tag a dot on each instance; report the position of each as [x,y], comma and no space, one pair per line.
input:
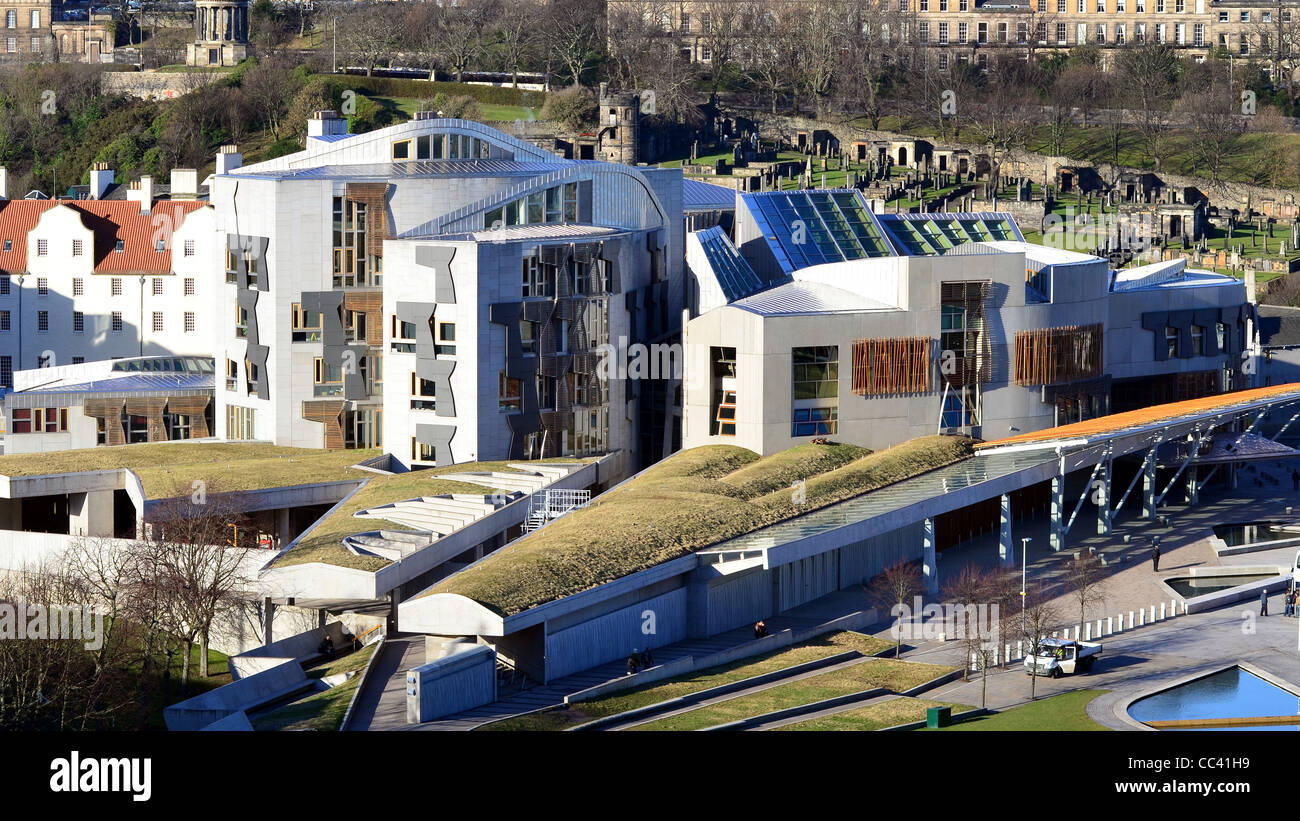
[330,412]
[1049,356]
[195,407]
[375,196]
[891,366]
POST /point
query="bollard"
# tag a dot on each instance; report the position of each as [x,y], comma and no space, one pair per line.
[1098,633]
[1131,622]
[1162,611]
[1173,608]
[1120,624]
[1087,634]
[1006,652]
[1142,617]
[1110,625]
[1153,613]
[1020,652]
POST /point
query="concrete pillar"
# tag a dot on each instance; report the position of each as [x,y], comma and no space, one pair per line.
[1149,488]
[282,528]
[321,616]
[1110,624]
[1057,539]
[1153,613]
[91,513]
[1102,498]
[1190,476]
[1162,611]
[1173,608]
[1087,633]
[1142,617]
[1006,549]
[931,564]
[1232,475]
[268,620]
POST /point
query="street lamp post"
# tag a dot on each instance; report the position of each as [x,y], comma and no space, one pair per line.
[336,45]
[1024,564]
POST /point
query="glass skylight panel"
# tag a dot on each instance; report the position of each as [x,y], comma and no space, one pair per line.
[975,229]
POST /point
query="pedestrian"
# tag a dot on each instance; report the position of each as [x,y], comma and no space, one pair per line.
[647,659]
[1155,556]
[760,629]
[1288,604]
[633,662]
[1263,602]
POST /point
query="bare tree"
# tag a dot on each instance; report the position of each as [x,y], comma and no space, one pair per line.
[461,27]
[1146,76]
[1083,579]
[895,588]
[1039,617]
[571,32]
[517,24]
[1001,116]
[982,597]
[721,32]
[369,33]
[1214,114]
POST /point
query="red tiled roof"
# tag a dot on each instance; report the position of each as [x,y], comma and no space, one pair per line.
[110,220]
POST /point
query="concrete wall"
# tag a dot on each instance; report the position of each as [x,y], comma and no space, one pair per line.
[294,648]
[244,694]
[615,635]
[461,681]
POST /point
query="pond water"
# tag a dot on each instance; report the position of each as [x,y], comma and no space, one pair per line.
[1231,693]
[1192,586]
[1243,533]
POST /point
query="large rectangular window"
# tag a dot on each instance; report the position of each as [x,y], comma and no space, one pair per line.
[354,263]
[815,389]
[241,423]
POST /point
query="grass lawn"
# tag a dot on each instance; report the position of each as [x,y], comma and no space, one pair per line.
[680,505]
[892,675]
[491,112]
[168,469]
[1067,711]
[323,542]
[218,675]
[890,713]
[323,710]
[560,718]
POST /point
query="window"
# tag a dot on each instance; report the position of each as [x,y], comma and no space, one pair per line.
[1121,34]
[962,32]
[528,337]
[4,283]
[1060,34]
[545,392]
[1101,6]
[77,247]
[42,286]
[401,150]
[232,374]
[423,394]
[189,286]
[189,247]
[117,286]
[4,321]
[1101,33]
[189,322]
[1171,341]
[78,286]
[1221,336]
[943,37]
[508,394]
[42,321]
[943,60]
[241,322]
[42,247]
[241,423]
[1198,340]
[1060,6]
[6,371]
[420,452]
[77,360]
[157,321]
[11,19]
[36,19]
[982,32]
[1243,43]
[403,336]
[11,45]
[815,389]
[1245,15]
[353,263]
[116,322]
[78,322]
[923,31]
[1198,34]
[157,286]
[1140,6]
[1223,17]
[1160,6]
[305,324]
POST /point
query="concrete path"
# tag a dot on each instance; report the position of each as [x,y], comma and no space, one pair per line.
[381,704]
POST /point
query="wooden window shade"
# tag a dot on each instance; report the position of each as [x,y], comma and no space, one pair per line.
[726,414]
[1050,356]
[891,366]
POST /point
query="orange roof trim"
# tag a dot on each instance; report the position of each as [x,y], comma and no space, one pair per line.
[1119,422]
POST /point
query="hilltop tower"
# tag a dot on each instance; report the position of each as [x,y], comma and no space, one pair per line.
[619,126]
[221,33]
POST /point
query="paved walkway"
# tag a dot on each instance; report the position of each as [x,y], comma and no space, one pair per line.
[381,704]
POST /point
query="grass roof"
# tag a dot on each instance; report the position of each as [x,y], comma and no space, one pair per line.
[168,469]
[691,500]
[324,541]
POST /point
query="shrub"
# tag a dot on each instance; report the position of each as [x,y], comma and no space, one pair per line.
[574,107]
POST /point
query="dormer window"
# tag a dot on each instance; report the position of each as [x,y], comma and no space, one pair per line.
[9,245]
[160,245]
[120,246]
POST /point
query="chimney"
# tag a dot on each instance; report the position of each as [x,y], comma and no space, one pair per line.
[325,124]
[4,183]
[142,192]
[185,183]
[228,159]
[101,177]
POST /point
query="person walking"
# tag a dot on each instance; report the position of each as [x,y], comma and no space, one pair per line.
[1155,556]
[633,662]
[1263,602]
[760,629]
